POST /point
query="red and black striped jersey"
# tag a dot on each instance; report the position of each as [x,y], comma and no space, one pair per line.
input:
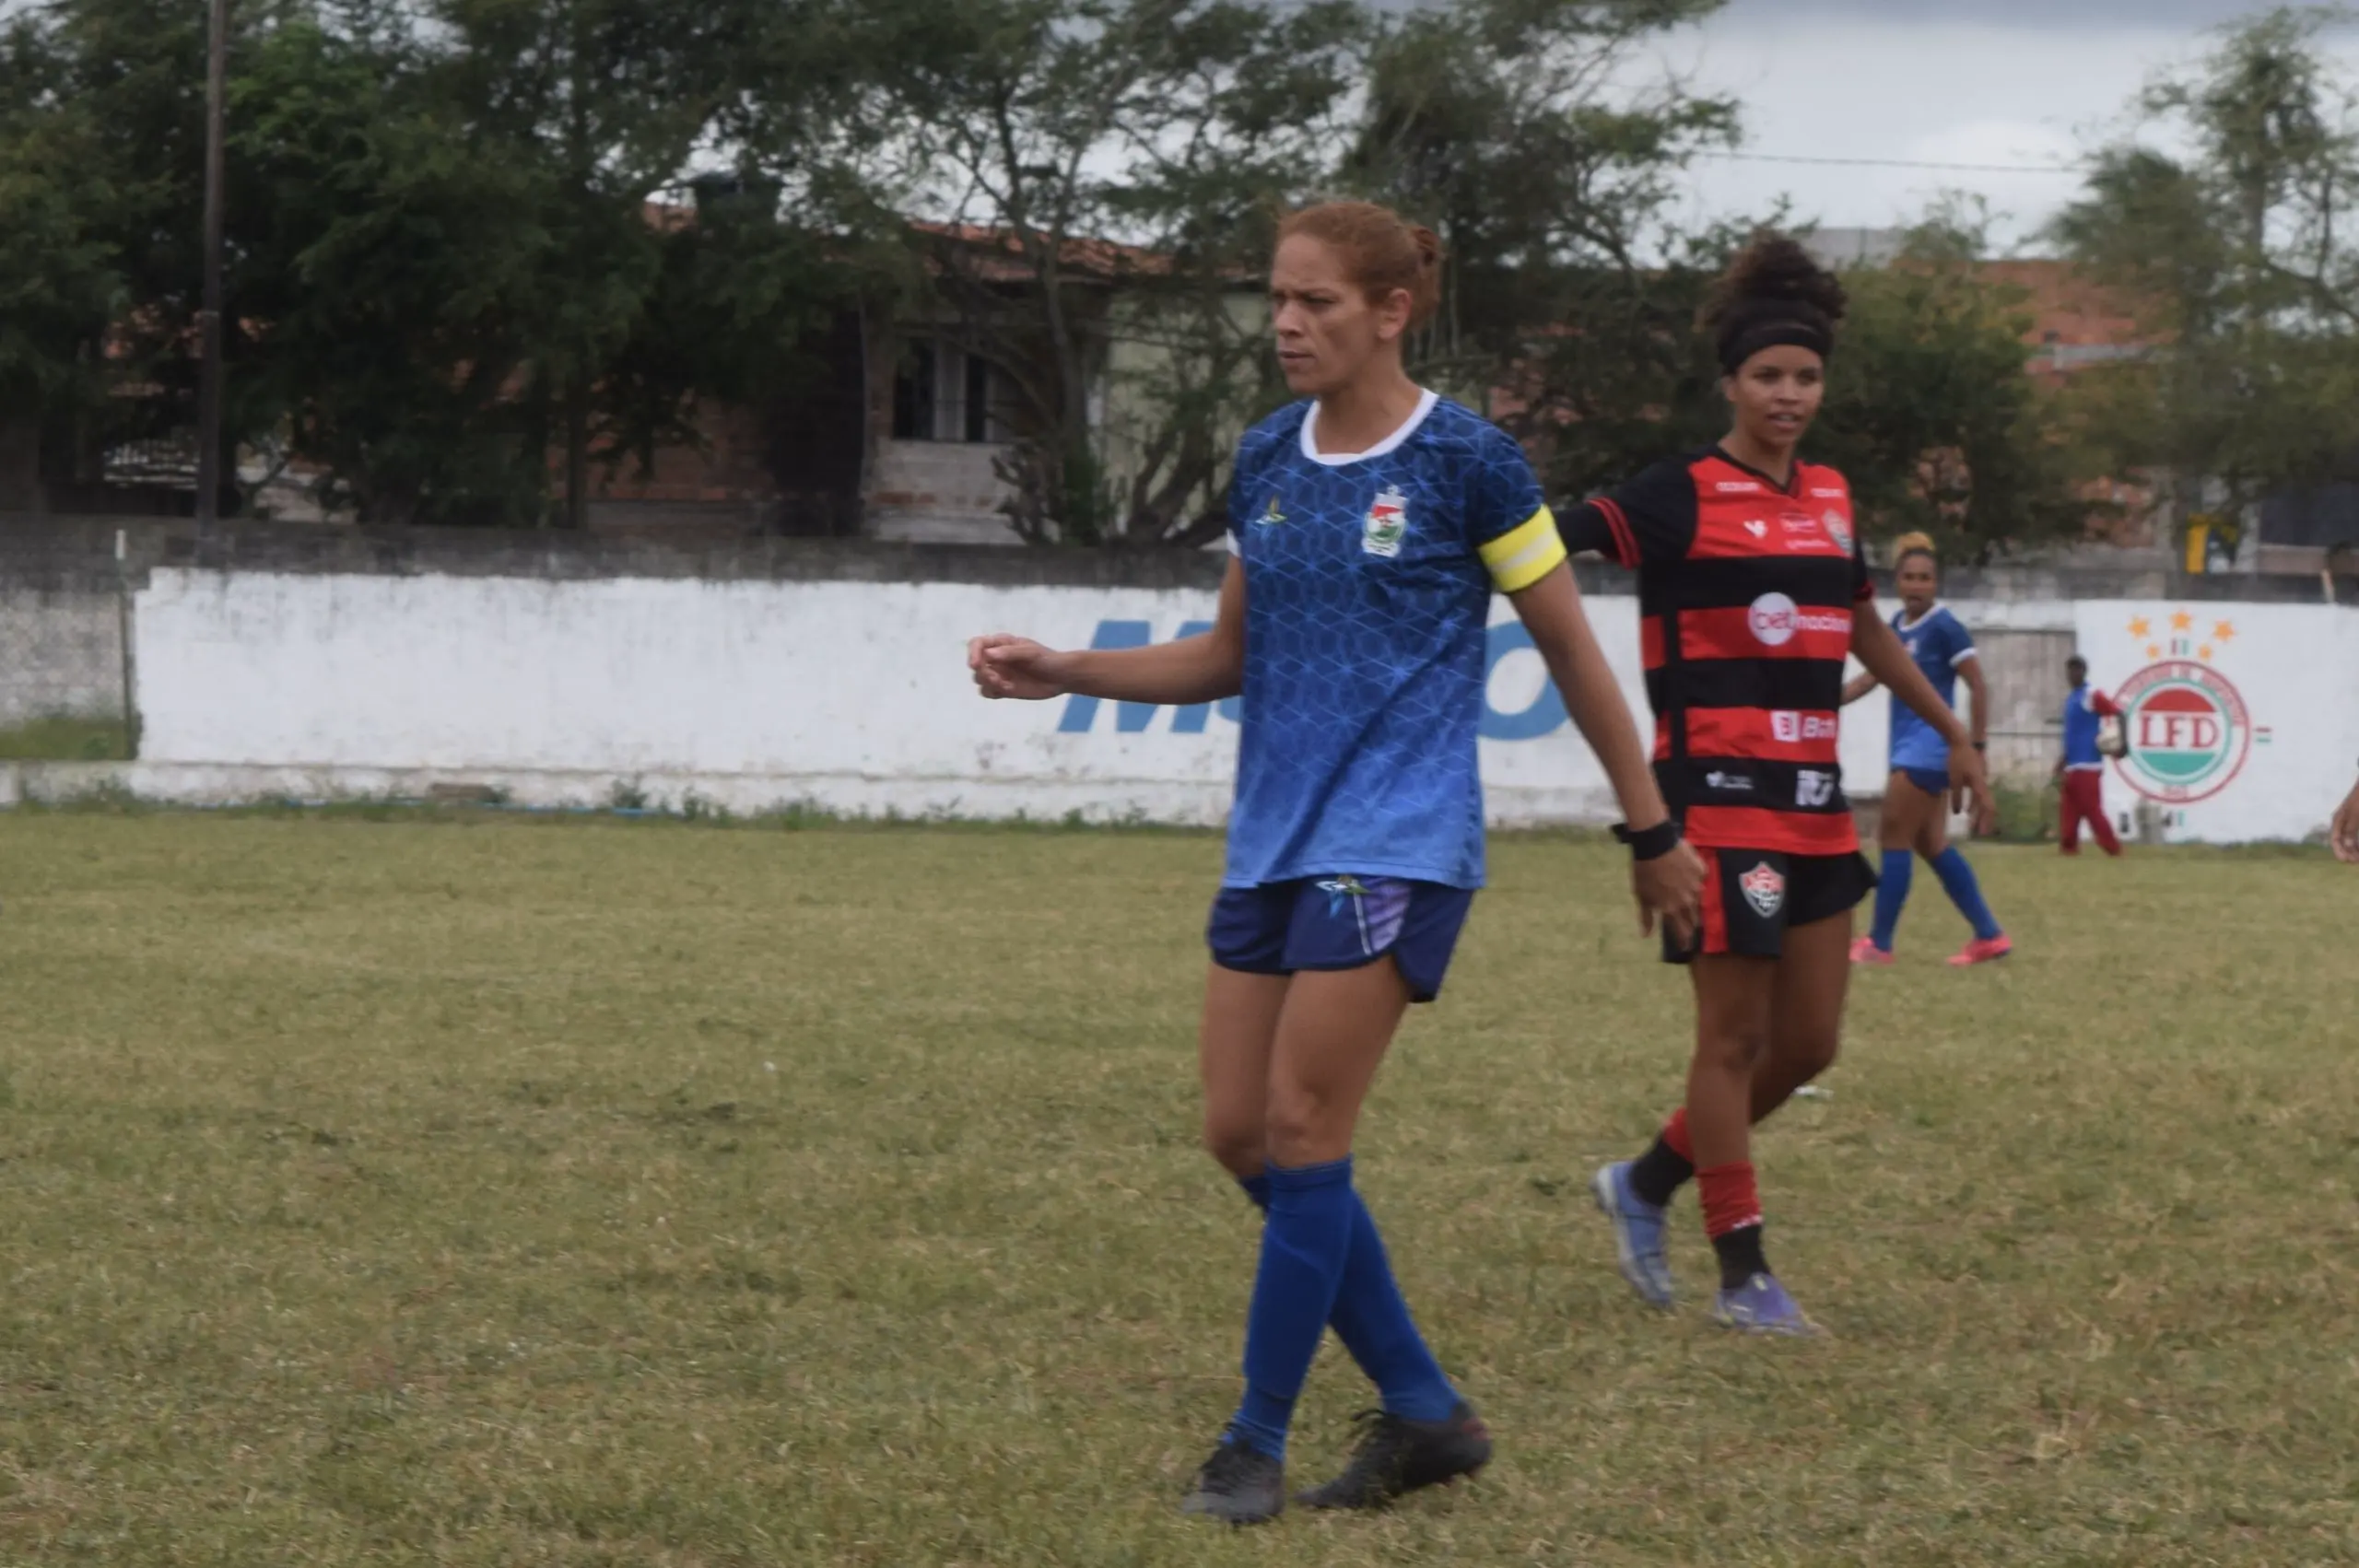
[1746,589]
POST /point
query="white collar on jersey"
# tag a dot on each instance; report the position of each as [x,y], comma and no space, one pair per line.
[1905,624]
[1425,401]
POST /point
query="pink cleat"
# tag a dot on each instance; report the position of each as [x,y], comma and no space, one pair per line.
[1980,952]
[1865,951]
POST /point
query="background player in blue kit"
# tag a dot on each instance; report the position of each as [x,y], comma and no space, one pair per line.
[1370,525]
[1915,798]
[2080,771]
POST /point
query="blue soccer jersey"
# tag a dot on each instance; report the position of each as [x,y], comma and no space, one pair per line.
[1368,590]
[2084,714]
[1939,642]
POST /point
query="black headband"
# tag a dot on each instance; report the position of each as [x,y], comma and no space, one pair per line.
[1784,325]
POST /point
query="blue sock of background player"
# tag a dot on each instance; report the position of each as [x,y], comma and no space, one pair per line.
[1892,894]
[1964,890]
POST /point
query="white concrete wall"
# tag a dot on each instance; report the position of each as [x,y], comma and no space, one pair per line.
[855,696]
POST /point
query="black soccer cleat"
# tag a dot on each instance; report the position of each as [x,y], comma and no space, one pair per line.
[1238,1485]
[1397,1455]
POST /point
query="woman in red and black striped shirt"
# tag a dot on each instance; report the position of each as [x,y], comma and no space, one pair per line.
[1750,571]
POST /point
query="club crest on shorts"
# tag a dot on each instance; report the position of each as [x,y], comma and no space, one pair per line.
[1387,521]
[1765,888]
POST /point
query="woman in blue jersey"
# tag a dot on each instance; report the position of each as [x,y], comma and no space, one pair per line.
[1916,797]
[1370,525]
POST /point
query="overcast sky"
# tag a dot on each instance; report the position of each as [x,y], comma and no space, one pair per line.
[2022,82]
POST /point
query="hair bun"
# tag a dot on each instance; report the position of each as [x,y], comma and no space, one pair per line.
[1429,245]
[1911,544]
[1776,266]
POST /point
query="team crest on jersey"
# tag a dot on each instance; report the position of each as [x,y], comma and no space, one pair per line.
[1272,514]
[1765,888]
[1838,529]
[1387,521]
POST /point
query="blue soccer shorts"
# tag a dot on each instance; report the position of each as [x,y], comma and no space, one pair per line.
[1935,781]
[1341,922]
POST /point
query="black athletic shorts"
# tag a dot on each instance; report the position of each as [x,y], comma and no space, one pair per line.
[1752,896]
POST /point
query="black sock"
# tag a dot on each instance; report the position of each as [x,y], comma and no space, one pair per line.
[1740,1256]
[1658,1173]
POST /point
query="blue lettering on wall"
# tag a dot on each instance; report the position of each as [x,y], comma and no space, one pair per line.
[1545,715]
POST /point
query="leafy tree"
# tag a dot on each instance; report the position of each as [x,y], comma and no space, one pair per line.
[1931,415]
[2240,259]
[397,270]
[1041,129]
[1499,122]
[447,252]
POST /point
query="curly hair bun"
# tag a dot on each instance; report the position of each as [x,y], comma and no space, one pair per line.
[1777,267]
[1774,293]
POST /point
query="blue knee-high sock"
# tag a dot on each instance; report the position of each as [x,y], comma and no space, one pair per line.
[1965,891]
[1892,894]
[1304,1244]
[1373,1321]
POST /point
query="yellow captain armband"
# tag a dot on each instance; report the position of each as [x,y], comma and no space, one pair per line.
[1524,554]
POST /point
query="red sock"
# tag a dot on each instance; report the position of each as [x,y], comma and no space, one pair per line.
[1675,1134]
[1731,1201]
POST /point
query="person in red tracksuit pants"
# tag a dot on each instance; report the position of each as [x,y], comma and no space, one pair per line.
[2082,767]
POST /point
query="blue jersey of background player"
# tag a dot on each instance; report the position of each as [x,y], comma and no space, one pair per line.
[1915,798]
[1939,643]
[1369,527]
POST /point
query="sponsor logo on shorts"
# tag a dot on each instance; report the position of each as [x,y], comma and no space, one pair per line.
[1765,888]
[1777,618]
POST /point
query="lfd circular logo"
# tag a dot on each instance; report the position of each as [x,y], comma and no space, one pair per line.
[2189,731]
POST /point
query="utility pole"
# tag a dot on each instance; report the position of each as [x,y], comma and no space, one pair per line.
[208,321]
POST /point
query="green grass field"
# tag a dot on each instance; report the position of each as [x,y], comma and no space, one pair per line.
[506,1193]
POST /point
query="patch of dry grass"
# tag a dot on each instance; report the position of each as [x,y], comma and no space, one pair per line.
[508,1193]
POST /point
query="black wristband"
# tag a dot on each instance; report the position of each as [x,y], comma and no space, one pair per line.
[1650,843]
